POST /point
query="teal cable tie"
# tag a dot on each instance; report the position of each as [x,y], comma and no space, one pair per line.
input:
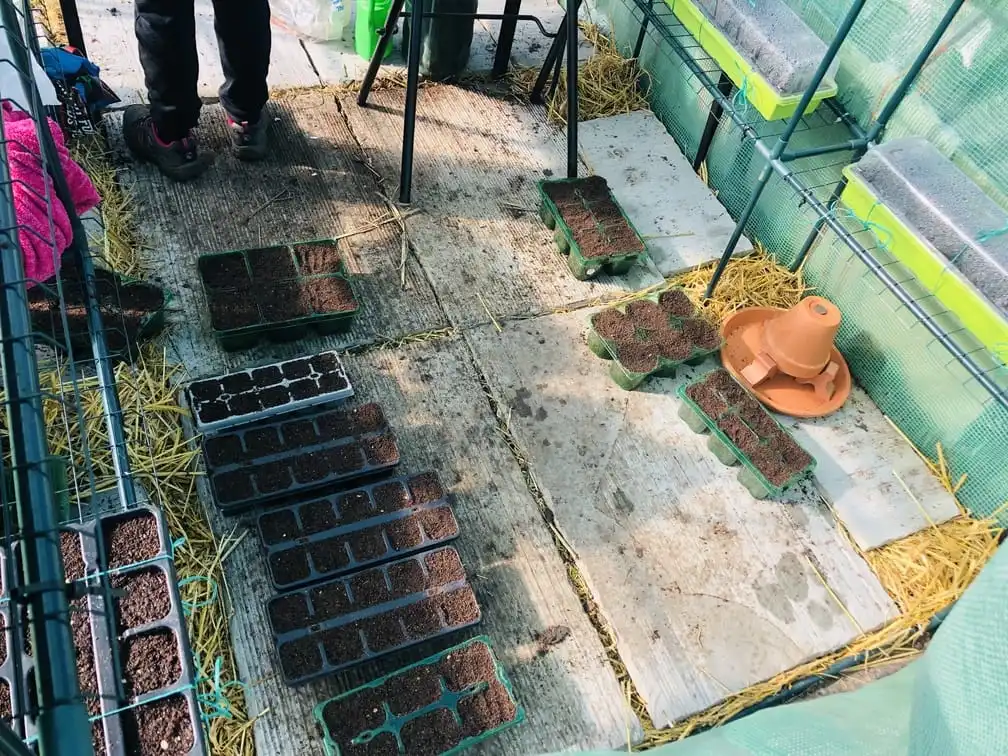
[190,606]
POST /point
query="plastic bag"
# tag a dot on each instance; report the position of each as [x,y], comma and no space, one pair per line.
[322,20]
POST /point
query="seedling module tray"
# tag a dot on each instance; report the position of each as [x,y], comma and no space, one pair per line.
[937,273]
[336,625]
[117,304]
[589,226]
[134,661]
[258,464]
[734,418]
[764,97]
[652,336]
[261,393]
[442,705]
[345,532]
[275,294]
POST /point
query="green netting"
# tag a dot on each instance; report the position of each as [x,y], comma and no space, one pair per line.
[910,375]
[951,700]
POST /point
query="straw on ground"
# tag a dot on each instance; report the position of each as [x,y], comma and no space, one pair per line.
[608,83]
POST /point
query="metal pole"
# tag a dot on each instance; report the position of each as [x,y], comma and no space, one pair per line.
[713,119]
[553,55]
[639,45]
[72,25]
[782,142]
[384,40]
[62,718]
[572,88]
[505,38]
[103,370]
[409,109]
[891,104]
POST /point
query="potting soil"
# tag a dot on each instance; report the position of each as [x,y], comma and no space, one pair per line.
[595,220]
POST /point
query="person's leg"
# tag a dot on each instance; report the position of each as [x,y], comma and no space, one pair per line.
[243,34]
[161,132]
[166,33]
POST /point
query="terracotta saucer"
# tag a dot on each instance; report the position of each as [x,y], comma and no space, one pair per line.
[743,333]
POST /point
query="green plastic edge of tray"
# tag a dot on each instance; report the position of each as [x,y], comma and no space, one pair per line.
[742,458]
[307,321]
[769,103]
[665,366]
[929,266]
[332,749]
[575,250]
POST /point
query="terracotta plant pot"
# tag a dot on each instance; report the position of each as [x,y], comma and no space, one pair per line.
[800,340]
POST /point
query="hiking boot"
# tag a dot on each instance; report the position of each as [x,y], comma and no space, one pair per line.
[178,160]
[248,139]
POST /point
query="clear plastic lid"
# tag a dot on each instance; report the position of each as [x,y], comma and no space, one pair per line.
[773,39]
[945,208]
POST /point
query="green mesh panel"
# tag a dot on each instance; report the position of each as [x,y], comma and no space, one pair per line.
[956,103]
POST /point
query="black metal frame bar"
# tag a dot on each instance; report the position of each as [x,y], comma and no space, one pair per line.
[72,25]
[509,20]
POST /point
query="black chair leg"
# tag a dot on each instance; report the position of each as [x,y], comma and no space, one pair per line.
[384,40]
[505,39]
[409,110]
[571,18]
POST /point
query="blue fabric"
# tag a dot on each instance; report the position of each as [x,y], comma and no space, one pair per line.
[60,64]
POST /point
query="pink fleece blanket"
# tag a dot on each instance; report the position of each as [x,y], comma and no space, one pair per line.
[42,243]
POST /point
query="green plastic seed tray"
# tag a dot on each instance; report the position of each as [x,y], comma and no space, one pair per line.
[665,367]
[594,197]
[728,453]
[276,293]
[440,705]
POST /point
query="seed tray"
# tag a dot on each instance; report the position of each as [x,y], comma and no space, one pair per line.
[263,294]
[449,699]
[118,571]
[344,622]
[345,532]
[262,463]
[938,223]
[679,326]
[768,99]
[739,409]
[594,197]
[261,393]
[45,306]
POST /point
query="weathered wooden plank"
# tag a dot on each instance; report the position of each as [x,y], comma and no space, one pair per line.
[679,216]
[872,477]
[477,158]
[436,406]
[708,590]
[313,185]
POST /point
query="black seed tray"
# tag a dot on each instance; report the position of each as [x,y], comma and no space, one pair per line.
[339,624]
[346,532]
[261,393]
[103,578]
[252,466]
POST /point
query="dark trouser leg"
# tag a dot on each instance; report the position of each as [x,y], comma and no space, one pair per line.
[243,34]
[166,33]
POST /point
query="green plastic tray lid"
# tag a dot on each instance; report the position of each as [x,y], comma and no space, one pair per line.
[944,207]
[772,39]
